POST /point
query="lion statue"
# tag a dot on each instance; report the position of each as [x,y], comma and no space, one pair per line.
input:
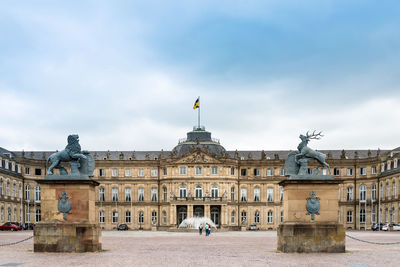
[71,152]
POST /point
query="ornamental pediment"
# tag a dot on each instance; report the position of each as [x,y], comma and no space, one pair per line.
[198,157]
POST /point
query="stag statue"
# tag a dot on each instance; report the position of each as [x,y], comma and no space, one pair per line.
[306,152]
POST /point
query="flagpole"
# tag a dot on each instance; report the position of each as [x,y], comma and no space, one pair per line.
[199,115]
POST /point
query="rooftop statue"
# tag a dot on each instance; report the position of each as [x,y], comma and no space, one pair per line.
[81,162]
[296,164]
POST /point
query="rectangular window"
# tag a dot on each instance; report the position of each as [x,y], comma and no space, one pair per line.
[363,171]
[115,216]
[27,171]
[101,194]
[182,170]
[140,172]
[128,173]
[37,194]
[198,170]
[38,171]
[349,216]
[270,172]
[349,172]
[281,194]
[373,192]
[232,194]
[373,169]
[270,194]
[128,195]
[214,170]
[141,195]
[128,216]
[101,216]
[282,172]
[336,171]
[102,172]
[349,193]
[243,172]
[114,172]
[115,194]
[256,194]
[233,217]
[153,172]
[373,215]
[256,172]
[232,171]
[243,195]
[154,194]
[164,171]
[394,189]
[362,216]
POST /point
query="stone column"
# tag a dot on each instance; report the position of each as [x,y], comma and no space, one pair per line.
[189,211]
[207,211]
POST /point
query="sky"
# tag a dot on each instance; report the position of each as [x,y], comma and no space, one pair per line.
[124,75]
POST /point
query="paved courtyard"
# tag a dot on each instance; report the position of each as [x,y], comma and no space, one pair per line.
[190,249]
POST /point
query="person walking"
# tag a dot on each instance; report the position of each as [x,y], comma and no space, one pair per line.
[200,229]
[207,229]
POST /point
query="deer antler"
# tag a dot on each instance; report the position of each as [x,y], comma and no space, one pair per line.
[314,135]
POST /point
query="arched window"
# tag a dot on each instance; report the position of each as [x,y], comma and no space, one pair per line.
[164,189]
[164,214]
[394,189]
[115,216]
[198,191]
[387,190]
[243,217]
[233,217]
[270,217]
[2,214]
[15,214]
[141,217]
[257,217]
[8,189]
[243,194]
[14,190]
[20,190]
[1,187]
[256,194]
[101,216]
[154,217]
[182,191]
[214,191]
[9,214]
[140,194]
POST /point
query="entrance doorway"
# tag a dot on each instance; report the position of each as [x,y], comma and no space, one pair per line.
[182,213]
[198,211]
[215,214]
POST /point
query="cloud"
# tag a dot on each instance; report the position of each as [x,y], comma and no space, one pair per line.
[125,76]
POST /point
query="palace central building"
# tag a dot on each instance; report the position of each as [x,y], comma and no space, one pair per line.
[200,178]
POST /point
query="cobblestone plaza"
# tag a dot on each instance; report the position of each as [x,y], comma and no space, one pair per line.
[146,248]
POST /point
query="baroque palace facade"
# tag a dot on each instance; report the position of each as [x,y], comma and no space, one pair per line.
[159,189]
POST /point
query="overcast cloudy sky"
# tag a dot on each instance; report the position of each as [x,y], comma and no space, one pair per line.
[125,74]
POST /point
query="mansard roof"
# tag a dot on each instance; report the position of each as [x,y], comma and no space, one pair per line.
[241,154]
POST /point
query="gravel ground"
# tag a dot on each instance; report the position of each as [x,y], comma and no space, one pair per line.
[133,248]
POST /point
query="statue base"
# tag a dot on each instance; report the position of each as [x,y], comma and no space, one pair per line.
[154,228]
[68,216]
[311,238]
[310,217]
[67,237]
[242,228]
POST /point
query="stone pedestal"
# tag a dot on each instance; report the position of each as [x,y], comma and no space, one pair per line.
[299,232]
[154,228]
[242,228]
[79,231]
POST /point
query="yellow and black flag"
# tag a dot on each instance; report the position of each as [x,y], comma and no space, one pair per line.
[197,103]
